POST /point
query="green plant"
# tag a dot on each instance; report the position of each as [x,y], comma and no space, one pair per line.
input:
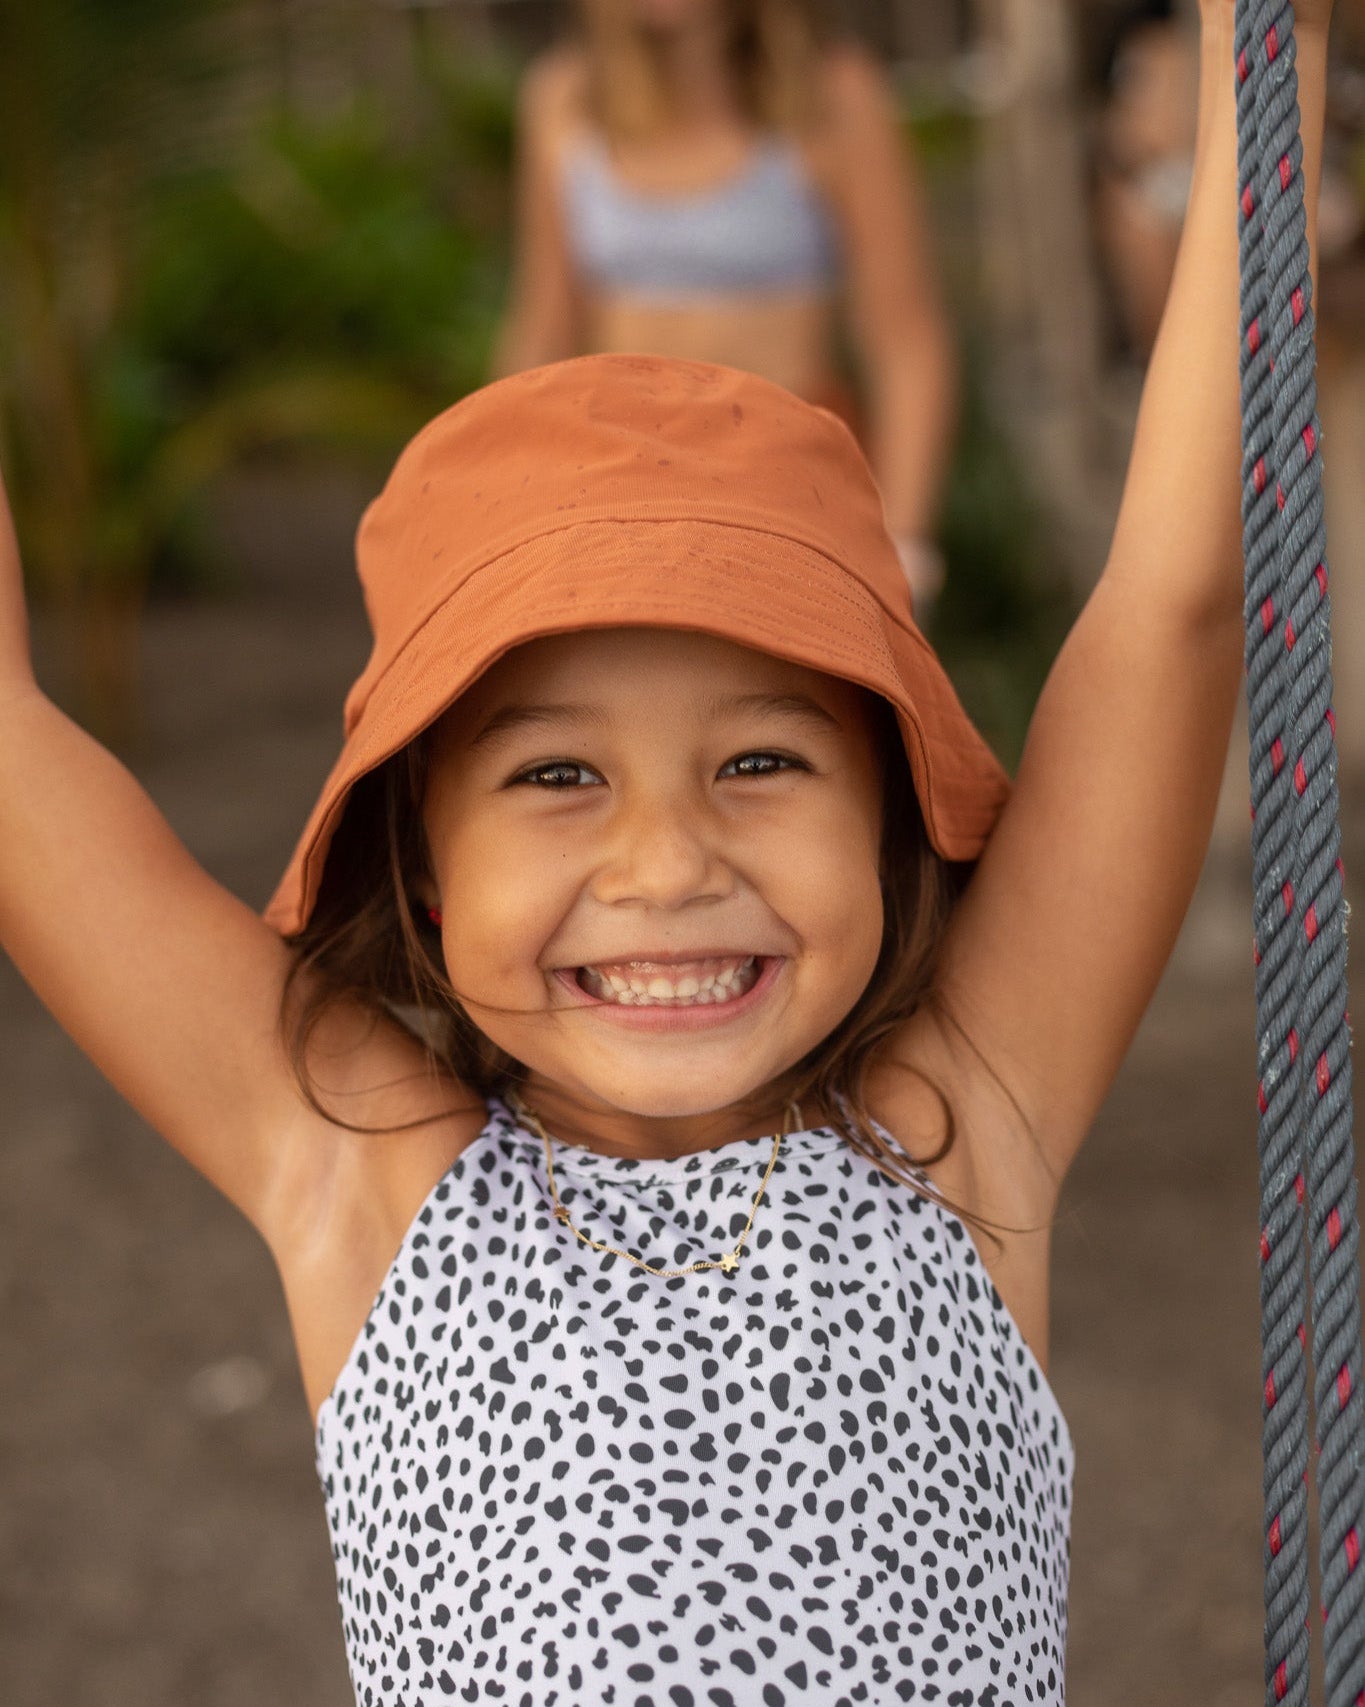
[1006,607]
[325,278]
[320,244]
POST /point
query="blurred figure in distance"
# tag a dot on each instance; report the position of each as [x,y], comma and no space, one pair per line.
[1146,160]
[714,180]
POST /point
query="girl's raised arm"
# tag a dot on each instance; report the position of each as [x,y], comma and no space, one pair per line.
[169,984]
[903,335]
[1071,916]
[541,322]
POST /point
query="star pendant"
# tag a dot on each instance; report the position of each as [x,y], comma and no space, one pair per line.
[561,1213]
[729,1262]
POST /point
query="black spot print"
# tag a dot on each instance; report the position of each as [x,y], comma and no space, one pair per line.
[835,1477]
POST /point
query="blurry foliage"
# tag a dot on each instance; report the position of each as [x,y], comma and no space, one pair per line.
[476,103]
[179,287]
[192,269]
[1006,604]
[324,243]
[943,131]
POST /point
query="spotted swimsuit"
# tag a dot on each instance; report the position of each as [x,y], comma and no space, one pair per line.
[836,1476]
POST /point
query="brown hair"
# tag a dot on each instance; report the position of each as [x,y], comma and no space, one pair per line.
[368,942]
[773,46]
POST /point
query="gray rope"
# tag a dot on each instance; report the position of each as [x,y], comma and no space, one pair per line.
[1283,1261]
[1307,1161]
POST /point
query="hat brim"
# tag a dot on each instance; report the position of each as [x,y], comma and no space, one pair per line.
[771,593]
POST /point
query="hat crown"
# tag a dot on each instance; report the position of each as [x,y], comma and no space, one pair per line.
[635,490]
[611,438]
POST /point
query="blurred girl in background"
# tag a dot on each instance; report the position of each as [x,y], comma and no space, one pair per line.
[713,180]
[1146,161]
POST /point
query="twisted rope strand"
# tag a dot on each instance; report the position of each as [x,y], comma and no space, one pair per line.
[1301,983]
[1277,947]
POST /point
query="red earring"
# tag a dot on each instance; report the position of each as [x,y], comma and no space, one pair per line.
[434,914]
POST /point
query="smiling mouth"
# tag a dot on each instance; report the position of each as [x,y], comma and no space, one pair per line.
[680,984]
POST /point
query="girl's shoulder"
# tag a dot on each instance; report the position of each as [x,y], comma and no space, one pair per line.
[554,91]
[953,1111]
[846,68]
[955,1117]
[851,83]
[854,116]
[376,1116]
[346,1189]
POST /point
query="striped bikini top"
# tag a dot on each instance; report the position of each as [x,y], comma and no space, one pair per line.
[766,228]
[835,1476]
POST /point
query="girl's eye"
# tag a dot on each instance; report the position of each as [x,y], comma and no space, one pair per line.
[760,764]
[559,773]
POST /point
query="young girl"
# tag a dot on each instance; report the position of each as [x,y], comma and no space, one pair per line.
[657,1081]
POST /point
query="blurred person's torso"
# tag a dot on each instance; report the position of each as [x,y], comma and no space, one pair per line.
[716,243]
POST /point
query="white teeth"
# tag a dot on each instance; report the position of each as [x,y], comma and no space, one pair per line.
[653,988]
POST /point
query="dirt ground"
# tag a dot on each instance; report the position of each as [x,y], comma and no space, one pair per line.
[161,1536]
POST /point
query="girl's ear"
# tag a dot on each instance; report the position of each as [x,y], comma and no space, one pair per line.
[426,901]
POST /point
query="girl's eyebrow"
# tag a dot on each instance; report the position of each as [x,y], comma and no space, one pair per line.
[512,719]
[509,719]
[798,705]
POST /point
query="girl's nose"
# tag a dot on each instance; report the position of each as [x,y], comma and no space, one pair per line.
[662,856]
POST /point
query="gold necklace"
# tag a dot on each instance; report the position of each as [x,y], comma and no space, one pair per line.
[728,1263]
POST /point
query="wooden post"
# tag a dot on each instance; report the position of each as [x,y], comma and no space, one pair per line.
[1036,252]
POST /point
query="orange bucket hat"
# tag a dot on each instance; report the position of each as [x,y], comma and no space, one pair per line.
[630,491]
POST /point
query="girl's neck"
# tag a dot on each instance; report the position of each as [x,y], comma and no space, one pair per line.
[570,1119]
[695,69]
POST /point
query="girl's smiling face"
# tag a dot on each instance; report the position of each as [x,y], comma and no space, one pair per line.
[657,858]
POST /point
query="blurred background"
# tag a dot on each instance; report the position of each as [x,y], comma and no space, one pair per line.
[246,248]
